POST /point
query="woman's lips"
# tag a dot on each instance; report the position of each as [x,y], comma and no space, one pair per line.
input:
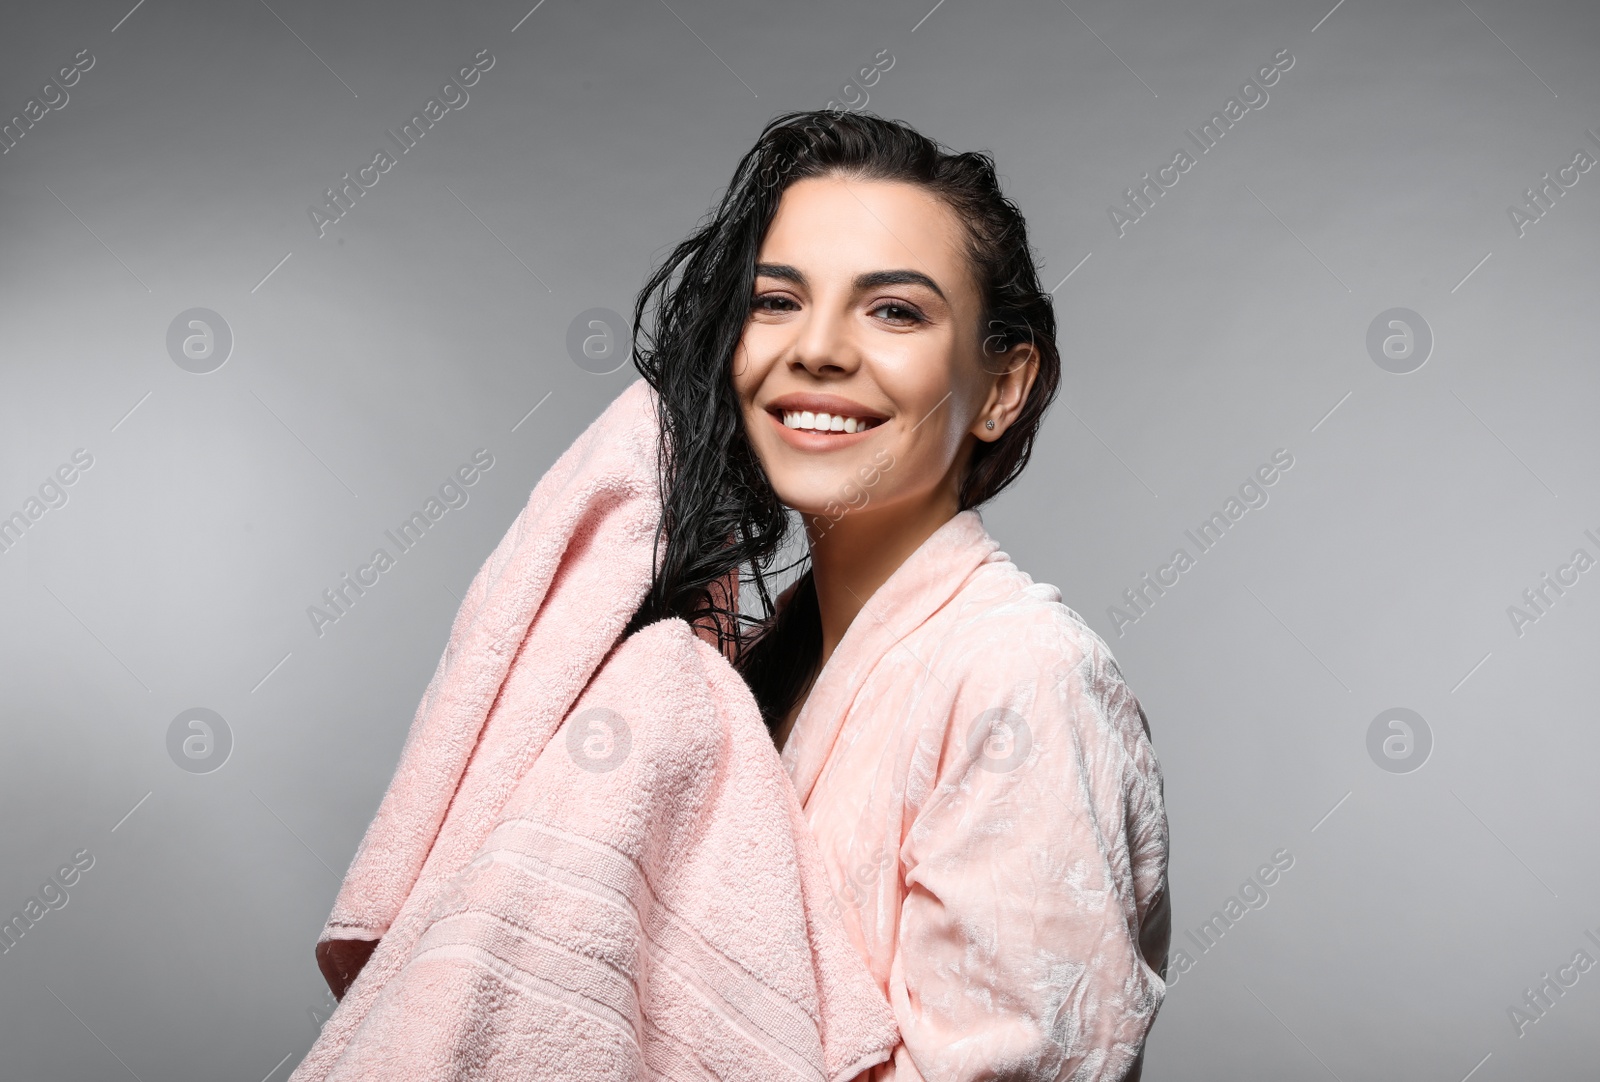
[815,439]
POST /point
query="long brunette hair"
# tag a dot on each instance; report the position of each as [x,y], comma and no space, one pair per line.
[719,512]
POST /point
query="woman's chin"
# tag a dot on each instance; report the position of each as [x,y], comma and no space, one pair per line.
[823,514]
[812,501]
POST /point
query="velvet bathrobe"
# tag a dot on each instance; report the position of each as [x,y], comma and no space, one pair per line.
[983,788]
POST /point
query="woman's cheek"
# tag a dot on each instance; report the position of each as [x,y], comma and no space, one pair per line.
[891,470]
[753,359]
[936,441]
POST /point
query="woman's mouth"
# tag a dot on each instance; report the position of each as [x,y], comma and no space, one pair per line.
[807,421]
[809,430]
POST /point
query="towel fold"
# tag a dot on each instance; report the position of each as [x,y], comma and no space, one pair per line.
[590,863]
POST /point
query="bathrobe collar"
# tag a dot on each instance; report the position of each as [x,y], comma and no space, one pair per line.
[917,589]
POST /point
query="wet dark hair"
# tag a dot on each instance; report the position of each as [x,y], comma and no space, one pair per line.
[719,512]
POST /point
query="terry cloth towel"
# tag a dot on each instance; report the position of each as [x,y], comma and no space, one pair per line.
[590,863]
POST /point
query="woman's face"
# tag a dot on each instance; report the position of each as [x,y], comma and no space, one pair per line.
[860,372]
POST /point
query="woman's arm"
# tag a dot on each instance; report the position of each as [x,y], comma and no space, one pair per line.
[1155,938]
[1031,936]
[341,961]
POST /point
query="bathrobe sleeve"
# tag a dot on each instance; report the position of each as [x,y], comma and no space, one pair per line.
[1030,868]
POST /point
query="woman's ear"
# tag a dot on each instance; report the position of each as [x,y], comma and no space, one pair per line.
[1013,374]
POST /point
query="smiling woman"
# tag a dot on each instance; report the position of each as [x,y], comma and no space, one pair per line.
[904,351]
[874,318]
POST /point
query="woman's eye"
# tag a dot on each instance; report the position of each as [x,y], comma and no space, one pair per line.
[899,313]
[772,304]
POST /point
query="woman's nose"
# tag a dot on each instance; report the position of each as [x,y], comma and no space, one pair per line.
[825,345]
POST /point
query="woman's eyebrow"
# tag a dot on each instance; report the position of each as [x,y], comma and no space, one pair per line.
[781,271]
[871,280]
[875,279]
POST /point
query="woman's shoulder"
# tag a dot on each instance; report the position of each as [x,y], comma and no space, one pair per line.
[1003,603]
[1011,638]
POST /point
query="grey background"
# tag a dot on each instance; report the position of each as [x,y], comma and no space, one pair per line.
[371,362]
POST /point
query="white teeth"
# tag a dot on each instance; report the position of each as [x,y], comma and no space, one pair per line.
[824,422]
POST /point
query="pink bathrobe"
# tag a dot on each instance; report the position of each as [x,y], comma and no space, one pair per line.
[989,807]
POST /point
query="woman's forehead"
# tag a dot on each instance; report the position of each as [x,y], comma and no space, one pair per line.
[835,225]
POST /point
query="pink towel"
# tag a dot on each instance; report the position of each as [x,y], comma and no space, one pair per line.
[590,863]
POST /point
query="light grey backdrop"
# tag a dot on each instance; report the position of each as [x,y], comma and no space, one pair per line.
[1436,879]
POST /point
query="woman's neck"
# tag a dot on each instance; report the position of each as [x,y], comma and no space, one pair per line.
[852,557]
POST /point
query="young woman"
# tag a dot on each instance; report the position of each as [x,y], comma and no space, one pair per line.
[858,335]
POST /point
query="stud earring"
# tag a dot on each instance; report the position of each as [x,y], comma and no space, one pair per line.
[989,425]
